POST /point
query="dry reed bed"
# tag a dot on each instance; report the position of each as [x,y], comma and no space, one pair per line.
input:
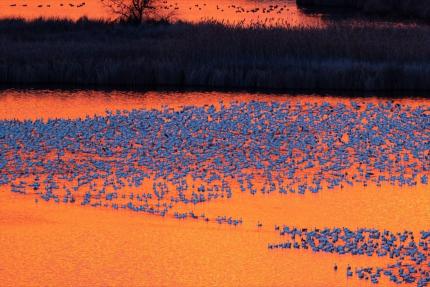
[336,57]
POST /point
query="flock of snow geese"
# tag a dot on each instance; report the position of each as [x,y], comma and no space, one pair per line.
[165,5]
[79,5]
[165,161]
[410,251]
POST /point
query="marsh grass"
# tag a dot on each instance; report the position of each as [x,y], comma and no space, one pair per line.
[213,55]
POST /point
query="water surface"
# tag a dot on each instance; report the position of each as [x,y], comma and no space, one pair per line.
[243,12]
[57,242]
[272,11]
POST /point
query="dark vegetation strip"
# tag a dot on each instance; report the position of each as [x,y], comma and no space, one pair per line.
[211,55]
[406,8]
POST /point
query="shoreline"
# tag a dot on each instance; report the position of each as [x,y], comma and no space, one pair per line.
[338,57]
[411,9]
[350,94]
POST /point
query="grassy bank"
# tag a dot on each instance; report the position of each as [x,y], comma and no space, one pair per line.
[406,8]
[214,56]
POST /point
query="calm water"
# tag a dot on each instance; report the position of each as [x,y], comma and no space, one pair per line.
[272,11]
[244,12]
[137,189]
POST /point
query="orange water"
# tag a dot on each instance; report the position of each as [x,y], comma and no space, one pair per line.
[224,10]
[49,244]
[44,104]
[54,245]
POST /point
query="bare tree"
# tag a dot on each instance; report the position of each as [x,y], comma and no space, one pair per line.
[133,11]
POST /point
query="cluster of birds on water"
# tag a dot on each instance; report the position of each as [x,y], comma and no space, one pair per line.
[219,219]
[410,251]
[166,161]
[165,5]
[79,5]
[278,9]
[199,154]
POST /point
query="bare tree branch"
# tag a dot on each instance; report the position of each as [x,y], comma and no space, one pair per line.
[135,11]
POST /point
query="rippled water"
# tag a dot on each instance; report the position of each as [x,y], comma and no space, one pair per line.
[45,239]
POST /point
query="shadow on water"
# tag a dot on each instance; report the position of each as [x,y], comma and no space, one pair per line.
[353,15]
[196,89]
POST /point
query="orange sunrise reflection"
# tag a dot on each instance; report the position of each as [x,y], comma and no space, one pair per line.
[179,189]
